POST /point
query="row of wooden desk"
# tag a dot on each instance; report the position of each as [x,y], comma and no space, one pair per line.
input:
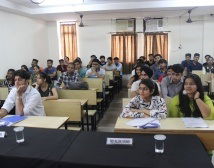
[171,126]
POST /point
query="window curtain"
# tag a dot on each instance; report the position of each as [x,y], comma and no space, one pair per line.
[156,44]
[124,47]
[68,37]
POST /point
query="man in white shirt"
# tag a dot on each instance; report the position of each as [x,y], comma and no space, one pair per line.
[95,71]
[25,98]
[118,65]
[109,66]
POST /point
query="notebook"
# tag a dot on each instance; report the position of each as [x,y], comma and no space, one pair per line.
[10,120]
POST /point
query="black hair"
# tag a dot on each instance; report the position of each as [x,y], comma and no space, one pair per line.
[196,54]
[50,60]
[35,60]
[96,60]
[151,85]
[25,67]
[157,55]
[77,60]
[177,68]
[184,100]
[169,67]
[207,56]
[142,57]
[93,56]
[66,57]
[61,60]
[102,56]
[23,74]
[161,61]
[37,66]
[151,55]
[148,71]
[11,70]
[116,58]
[45,77]
[188,55]
[109,58]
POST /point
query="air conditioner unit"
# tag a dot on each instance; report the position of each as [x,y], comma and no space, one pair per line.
[154,25]
[125,25]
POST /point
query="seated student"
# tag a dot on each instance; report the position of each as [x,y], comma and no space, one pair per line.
[169,70]
[161,71]
[191,101]
[50,70]
[34,63]
[155,66]
[46,87]
[195,65]
[187,64]
[206,58]
[139,62]
[35,74]
[171,85]
[68,78]
[209,67]
[24,67]
[9,81]
[66,60]
[143,59]
[90,62]
[147,103]
[102,60]
[79,69]
[145,74]
[118,65]
[25,98]
[95,71]
[61,67]
[136,77]
[109,66]
[151,61]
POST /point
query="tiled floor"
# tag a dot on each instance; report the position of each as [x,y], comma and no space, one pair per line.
[108,121]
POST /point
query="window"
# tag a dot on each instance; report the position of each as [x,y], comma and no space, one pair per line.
[68,37]
[156,43]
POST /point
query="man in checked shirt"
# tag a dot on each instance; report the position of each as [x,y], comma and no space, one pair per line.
[68,78]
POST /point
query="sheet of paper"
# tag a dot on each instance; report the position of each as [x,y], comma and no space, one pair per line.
[144,122]
[191,122]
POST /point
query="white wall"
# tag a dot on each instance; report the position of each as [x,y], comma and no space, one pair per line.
[21,40]
[95,38]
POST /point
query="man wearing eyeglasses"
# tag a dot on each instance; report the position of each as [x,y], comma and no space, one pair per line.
[95,71]
[171,86]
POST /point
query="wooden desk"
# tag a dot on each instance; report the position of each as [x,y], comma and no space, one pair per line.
[83,102]
[42,122]
[171,126]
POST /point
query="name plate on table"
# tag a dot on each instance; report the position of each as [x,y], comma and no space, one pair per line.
[119,141]
[2,134]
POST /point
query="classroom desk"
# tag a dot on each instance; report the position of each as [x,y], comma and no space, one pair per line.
[42,122]
[84,103]
[51,148]
[172,126]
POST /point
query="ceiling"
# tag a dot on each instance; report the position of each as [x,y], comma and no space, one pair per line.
[107,9]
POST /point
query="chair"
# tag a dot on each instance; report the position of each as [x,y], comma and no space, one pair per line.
[90,95]
[3,93]
[65,108]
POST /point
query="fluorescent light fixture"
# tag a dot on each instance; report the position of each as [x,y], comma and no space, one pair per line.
[60,2]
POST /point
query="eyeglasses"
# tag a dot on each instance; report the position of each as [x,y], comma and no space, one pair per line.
[143,89]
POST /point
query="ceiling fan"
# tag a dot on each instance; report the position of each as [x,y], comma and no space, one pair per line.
[189,20]
[37,1]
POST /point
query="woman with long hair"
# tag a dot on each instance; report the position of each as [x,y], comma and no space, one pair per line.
[138,73]
[191,101]
[45,87]
[147,103]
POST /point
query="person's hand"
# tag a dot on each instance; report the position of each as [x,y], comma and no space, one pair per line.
[44,98]
[93,69]
[197,95]
[21,89]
